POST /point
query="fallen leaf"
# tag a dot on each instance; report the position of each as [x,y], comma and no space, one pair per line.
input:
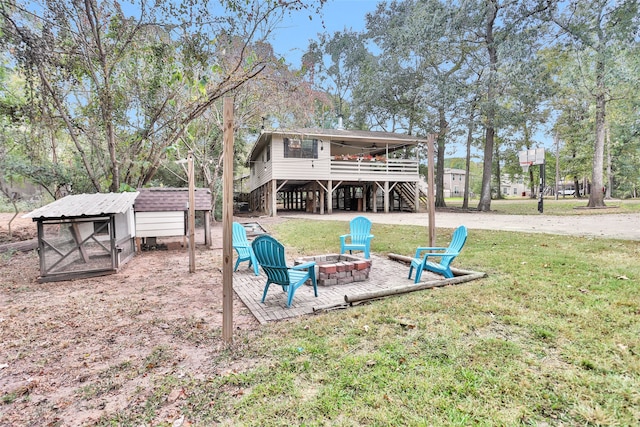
[406,324]
[179,422]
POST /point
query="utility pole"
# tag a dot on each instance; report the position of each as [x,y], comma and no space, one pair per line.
[557,141]
[227,221]
[191,215]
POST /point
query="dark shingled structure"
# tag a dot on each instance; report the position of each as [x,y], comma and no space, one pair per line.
[162,199]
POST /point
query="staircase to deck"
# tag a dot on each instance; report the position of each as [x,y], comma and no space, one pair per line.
[407,194]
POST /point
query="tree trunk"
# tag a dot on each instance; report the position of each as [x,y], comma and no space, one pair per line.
[596,196]
[532,184]
[609,187]
[485,198]
[498,170]
[440,203]
[467,176]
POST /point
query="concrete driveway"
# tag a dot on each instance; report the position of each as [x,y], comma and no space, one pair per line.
[615,226]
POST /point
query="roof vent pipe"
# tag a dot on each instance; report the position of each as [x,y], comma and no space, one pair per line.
[340,126]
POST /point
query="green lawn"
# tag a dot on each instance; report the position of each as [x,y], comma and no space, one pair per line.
[566,206]
[549,338]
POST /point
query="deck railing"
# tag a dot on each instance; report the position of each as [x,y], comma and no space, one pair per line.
[346,169]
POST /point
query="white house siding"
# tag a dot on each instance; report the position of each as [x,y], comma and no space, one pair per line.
[160,224]
[324,168]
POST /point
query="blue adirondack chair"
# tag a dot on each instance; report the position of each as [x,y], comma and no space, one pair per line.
[421,260]
[243,248]
[270,255]
[360,237]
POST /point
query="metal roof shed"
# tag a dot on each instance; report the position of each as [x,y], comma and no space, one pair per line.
[85,235]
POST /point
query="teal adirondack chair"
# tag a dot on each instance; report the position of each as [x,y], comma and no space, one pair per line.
[360,237]
[243,248]
[270,255]
[421,260]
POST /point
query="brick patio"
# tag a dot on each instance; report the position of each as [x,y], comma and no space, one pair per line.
[385,274]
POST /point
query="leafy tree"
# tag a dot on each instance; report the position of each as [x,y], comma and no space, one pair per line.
[500,22]
[127,85]
[600,31]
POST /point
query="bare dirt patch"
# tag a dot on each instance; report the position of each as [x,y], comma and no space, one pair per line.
[74,351]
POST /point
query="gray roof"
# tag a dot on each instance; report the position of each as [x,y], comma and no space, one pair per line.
[164,199]
[85,205]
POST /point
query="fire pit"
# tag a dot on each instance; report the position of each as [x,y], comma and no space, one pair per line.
[335,269]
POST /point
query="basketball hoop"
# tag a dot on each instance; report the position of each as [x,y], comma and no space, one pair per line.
[525,166]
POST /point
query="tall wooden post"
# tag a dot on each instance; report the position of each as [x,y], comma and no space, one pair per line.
[227,222]
[191,214]
[432,189]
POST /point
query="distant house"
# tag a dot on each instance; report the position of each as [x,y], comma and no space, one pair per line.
[454,182]
[162,212]
[85,235]
[319,170]
[513,186]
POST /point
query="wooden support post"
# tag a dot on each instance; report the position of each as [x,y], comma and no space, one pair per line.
[432,190]
[386,197]
[364,197]
[227,222]
[274,198]
[374,202]
[191,216]
[207,229]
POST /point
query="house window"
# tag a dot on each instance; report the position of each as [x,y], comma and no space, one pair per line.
[268,152]
[300,148]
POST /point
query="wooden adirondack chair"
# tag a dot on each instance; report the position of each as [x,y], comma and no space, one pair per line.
[270,255]
[243,248]
[420,262]
[359,238]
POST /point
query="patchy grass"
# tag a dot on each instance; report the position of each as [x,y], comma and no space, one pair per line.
[549,338]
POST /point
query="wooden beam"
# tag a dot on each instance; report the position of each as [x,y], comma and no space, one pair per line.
[227,222]
[386,197]
[191,215]
[207,229]
[274,198]
[431,190]
[412,288]
[77,237]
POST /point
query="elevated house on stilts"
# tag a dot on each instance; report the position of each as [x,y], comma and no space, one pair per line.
[322,170]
